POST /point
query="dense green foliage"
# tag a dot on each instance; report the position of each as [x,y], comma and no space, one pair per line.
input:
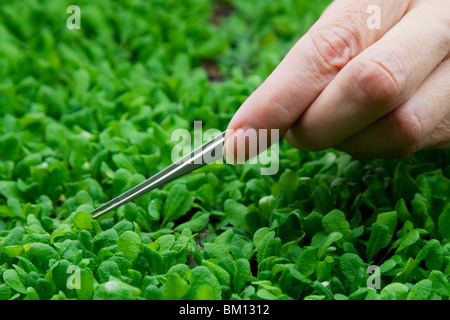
[86,114]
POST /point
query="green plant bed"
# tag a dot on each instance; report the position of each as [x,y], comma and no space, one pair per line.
[87,113]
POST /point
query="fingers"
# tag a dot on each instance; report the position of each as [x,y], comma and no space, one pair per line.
[421,122]
[339,35]
[375,82]
[440,138]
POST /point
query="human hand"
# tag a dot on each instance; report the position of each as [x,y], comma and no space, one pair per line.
[369,92]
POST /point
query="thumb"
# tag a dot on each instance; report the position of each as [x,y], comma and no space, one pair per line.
[337,37]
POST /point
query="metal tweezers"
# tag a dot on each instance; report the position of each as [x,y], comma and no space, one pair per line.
[201,156]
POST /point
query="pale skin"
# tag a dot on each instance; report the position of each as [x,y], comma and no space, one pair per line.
[369,92]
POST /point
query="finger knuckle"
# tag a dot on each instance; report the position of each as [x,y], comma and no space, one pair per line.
[333,47]
[409,128]
[277,100]
[378,81]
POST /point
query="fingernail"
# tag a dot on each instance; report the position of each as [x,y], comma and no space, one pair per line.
[240,145]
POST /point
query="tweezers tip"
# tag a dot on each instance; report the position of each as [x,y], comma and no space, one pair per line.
[96,216]
[97,212]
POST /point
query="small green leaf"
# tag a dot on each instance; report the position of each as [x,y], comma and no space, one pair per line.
[152,292]
[105,239]
[83,220]
[235,213]
[86,240]
[440,283]
[288,184]
[326,241]
[394,291]
[115,289]
[259,235]
[6,212]
[154,258]
[154,209]
[242,274]
[121,161]
[420,213]
[404,187]
[44,289]
[108,269]
[433,254]
[199,277]
[222,276]
[5,292]
[40,255]
[409,239]
[266,247]
[13,251]
[350,263]
[306,262]
[421,290]
[165,242]
[12,279]
[444,223]
[86,284]
[216,251]
[196,223]
[31,294]
[178,203]
[335,221]
[379,238]
[205,292]
[129,243]
[175,288]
